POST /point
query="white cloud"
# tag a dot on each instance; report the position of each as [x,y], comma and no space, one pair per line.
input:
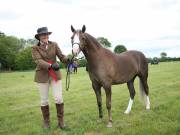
[140,24]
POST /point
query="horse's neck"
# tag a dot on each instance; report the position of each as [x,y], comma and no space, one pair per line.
[89,54]
[92,48]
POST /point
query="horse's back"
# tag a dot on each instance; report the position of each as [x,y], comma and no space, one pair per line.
[129,60]
[136,58]
[133,55]
[129,64]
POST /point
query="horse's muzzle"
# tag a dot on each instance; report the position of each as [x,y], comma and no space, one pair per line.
[75,49]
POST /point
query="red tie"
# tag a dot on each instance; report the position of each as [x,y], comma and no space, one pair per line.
[52,73]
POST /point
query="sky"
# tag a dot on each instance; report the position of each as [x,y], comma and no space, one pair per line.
[150,26]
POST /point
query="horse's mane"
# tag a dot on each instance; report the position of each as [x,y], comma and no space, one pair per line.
[92,40]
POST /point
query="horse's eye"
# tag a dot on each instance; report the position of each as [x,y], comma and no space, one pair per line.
[72,37]
[82,38]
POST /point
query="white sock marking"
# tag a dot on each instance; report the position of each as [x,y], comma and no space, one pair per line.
[129,106]
[147,103]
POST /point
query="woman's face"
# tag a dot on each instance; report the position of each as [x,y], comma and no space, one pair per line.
[44,38]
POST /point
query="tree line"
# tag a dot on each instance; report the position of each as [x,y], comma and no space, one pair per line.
[163,58]
[15,53]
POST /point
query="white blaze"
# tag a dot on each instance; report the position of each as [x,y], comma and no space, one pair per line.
[76,43]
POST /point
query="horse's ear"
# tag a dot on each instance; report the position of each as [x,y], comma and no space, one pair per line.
[72,29]
[83,28]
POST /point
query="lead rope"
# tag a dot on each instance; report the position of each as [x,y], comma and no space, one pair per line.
[68,74]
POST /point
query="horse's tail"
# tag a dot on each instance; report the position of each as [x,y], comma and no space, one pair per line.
[141,90]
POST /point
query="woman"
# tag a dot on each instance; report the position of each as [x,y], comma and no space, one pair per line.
[47,72]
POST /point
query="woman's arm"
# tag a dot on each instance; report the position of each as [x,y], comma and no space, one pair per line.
[38,59]
[61,56]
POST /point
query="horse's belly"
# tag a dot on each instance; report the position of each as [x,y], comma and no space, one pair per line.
[114,82]
[122,78]
[117,82]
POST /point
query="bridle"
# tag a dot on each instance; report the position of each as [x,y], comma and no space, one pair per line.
[75,43]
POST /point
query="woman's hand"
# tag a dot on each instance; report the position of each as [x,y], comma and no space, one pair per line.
[55,66]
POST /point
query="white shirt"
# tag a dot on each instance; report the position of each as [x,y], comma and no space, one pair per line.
[43,43]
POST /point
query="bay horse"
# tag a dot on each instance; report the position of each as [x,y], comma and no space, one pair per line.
[106,68]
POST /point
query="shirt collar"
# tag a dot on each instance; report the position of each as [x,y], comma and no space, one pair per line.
[42,43]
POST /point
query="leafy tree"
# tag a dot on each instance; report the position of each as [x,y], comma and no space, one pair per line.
[32,41]
[70,56]
[22,43]
[1,33]
[29,42]
[163,56]
[23,60]
[104,42]
[9,47]
[13,52]
[82,62]
[120,49]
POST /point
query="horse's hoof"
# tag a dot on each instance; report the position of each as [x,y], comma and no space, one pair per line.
[109,125]
[126,112]
[147,107]
[99,120]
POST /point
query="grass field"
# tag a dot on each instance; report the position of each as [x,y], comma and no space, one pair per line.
[20,111]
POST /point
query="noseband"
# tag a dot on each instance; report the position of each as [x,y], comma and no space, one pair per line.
[76,44]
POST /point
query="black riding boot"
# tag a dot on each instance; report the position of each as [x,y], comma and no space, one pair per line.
[60,115]
[45,113]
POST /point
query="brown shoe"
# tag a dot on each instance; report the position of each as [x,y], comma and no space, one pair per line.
[45,113]
[60,115]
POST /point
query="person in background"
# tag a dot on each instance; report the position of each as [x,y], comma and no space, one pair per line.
[48,72]
[71,67]
[75,65]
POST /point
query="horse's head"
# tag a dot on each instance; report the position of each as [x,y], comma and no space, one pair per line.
[78,40]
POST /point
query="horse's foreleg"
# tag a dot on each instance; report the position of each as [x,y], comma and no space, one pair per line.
[108,105]
[97,90]
[130,85]
[129,106]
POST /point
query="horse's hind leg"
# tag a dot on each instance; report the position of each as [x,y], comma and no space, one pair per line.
[132,93]
[145,89]
[108,103]
[97,90]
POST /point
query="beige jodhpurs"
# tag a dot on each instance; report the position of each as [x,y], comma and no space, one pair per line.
[56,90]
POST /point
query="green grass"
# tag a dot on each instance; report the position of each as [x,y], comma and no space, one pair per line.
[20,111]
